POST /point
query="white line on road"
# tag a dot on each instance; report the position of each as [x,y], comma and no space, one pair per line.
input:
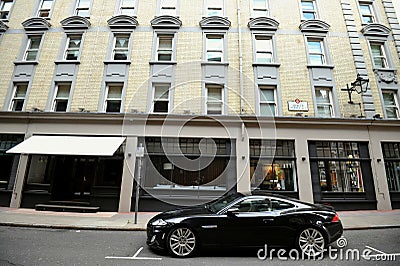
[134,257]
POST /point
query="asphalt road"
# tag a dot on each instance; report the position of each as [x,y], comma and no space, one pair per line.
[32,246]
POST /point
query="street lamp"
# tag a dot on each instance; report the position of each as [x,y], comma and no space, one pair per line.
[361,83]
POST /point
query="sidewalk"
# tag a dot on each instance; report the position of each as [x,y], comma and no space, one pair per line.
[351,220]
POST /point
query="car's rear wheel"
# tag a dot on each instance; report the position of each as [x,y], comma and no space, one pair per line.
[311,242]
[181,242]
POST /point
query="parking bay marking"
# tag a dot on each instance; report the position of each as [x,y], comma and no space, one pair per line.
[134,257]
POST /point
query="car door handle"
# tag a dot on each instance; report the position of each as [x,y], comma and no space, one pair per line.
[268,220]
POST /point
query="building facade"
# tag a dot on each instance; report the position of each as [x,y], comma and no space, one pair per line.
[197,98]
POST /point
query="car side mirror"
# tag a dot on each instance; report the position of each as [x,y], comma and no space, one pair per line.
[232,212]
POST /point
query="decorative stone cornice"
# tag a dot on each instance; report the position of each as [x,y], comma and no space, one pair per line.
[166,22]
[263,23]
[75,22]
[314,25]
[36,24]
[122,21]
[215,22]
[375,29]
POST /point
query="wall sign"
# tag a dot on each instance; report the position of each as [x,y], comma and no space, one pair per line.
[298,105]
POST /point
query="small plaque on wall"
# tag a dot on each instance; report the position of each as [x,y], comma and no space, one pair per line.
[298,105]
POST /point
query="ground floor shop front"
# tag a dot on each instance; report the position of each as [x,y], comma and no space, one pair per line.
[351,164]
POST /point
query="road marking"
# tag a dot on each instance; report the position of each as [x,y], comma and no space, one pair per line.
[134,257]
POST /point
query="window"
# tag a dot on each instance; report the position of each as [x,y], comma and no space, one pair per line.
[121,47]
[127,7]
[259,8]
[5,8]
[61,98]
[73,47]
[391,104]
[316,53]
[309,9]
[168,7]
[82,8]
[8,162]
[214,48]
[214,8]
[113,100]
[258,204]
[161,98]
[324,102]
[391,156]
[164,47]
[367,14]
[45,8]
[264,49]
[32,48]
[18,97]
[214,100]
[378,55]
[268,101]
[272,165]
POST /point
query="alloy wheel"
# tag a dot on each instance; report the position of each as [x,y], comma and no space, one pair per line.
[182,242]
[311,242]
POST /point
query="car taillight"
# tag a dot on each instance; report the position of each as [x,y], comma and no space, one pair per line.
[335,218]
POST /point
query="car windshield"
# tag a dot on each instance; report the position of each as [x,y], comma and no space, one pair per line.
[222,202]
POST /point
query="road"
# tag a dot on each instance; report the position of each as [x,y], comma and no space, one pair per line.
[32,246]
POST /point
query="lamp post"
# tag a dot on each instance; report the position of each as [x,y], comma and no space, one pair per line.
[360,85]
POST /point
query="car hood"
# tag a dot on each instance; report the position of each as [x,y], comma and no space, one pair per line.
[183,212]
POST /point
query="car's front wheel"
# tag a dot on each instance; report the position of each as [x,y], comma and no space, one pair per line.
[311,242]
[181,242]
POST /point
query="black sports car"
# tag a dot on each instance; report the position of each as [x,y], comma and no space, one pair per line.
[242,220]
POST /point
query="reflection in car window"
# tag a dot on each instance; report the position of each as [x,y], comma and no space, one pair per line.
[254,205]
[221,203]
[278,205]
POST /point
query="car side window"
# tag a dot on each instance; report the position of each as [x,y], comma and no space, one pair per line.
[278,205]
[254,205]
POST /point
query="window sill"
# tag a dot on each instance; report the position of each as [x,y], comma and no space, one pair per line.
[26,62]
[76,62]
[384,69]
[320,66]
[110,62]
[267,64]
[162,62]
[215,63]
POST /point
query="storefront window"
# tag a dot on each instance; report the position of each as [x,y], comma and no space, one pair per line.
[8,162]
[391,156]
[272,165]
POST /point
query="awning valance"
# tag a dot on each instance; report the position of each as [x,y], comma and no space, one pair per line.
[69,145]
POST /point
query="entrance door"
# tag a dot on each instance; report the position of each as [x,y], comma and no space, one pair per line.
[83,178]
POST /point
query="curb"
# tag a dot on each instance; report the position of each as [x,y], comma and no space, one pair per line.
[72,227]
[372,227]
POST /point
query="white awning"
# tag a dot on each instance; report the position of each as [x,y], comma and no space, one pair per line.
[69,145]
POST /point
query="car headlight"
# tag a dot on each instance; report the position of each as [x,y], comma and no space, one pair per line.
[159,222]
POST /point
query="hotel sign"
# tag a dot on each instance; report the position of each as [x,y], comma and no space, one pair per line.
[298,105]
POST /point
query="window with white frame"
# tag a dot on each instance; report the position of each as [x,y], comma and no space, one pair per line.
[61,97]
[32,47]
[18,96]
[121,47]
[214,48]
[161,98]
[214,102]
[82,8]
[259,8]
[391,104]
[73,46]
[127,7]
[367,12]
[45,8]
[268,101]
[309,9]
[264,49]
[324,102]
[5,8]
[316,51]
[214,8]
[164,47]
[113,99]
[168,7]
[378,55]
